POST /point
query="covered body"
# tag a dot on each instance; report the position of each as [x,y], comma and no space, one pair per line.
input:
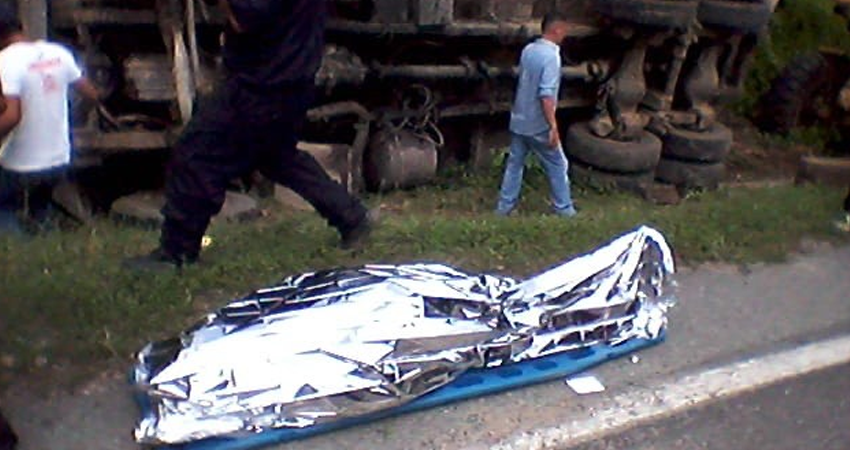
[336,344]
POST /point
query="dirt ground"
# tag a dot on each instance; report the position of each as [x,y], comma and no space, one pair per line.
[754,158]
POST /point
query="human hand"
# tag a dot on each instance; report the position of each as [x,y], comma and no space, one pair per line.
[107,116]
[554,138]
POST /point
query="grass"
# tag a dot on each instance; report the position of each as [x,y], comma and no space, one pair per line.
[68,304]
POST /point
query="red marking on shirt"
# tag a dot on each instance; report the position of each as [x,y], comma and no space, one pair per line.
[40,66]
[49,84]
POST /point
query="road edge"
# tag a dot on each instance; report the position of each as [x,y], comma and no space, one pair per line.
[675,395]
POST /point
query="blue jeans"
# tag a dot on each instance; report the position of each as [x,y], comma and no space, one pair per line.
[555,164]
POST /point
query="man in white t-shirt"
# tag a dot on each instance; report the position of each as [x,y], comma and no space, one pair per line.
[34,125]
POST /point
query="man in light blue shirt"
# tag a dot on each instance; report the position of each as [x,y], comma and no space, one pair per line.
[534,126]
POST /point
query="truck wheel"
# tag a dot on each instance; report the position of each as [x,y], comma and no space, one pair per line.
[741,16]
[709,146]
[808,83]
[611,155]
[659,13]
[829,171]
[600,180]
[690,175]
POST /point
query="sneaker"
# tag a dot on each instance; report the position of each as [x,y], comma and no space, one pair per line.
[567,213]
[355,237]
[158,260]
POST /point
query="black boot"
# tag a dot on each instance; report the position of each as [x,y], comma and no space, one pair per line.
[159,260]
[355,237]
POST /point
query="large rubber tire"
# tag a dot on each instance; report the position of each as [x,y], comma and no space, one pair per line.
[659,13]
[709,146]
[690,175]
[829,171]
[600,180]
[741,16]
[802,79]
[610,155]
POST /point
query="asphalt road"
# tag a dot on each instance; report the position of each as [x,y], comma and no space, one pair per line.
[808,412]
[725,314]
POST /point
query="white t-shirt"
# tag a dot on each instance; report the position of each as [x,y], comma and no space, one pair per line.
[38,73]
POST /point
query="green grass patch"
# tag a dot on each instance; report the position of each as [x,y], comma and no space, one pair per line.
[67,302]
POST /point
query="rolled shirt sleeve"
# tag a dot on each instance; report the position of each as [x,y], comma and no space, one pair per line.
[539,78]
[73,72]
[11,79]
[550,79]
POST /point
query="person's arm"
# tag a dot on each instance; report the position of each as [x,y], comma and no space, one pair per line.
[550,106]
[11,116]
[251,15]
[550,79]
[87,90]
[84,87]
[91,93]
[10,102]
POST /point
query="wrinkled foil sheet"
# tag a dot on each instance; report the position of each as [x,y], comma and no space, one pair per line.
[328,345]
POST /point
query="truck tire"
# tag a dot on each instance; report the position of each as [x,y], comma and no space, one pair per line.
[741,16]
[658,13]
[821,170]
[709,146]
[805,77]
[611,155]
[690,175]
[600,180]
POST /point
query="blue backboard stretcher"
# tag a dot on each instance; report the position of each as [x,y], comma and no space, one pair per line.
[475,383]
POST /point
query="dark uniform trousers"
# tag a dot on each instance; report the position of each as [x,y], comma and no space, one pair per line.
[30,192]
[7,436]
[235,131]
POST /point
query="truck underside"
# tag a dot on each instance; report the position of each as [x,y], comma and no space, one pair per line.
[408,85]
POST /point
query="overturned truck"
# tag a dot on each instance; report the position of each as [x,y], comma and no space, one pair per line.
[407,85]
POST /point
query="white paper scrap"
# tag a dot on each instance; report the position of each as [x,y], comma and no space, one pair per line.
[585,384]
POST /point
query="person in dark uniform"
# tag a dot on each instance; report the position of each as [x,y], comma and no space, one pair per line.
[272,51]
[8,440]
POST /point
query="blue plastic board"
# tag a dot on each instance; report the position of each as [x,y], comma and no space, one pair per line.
[475,383]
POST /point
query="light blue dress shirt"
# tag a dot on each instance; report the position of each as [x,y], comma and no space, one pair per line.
[539,77]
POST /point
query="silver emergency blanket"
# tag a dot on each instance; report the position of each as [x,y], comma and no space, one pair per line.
[328,345]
